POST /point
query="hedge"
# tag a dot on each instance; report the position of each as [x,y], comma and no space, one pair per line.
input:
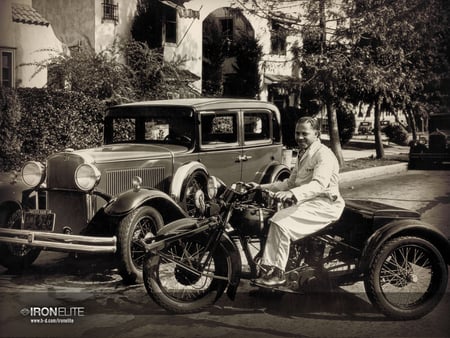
[36,122]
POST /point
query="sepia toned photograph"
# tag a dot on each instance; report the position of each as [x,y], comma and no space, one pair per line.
[217,168]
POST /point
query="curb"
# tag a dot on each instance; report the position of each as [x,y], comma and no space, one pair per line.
[356,175]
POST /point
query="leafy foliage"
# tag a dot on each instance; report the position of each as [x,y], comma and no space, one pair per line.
[10,109]
[47,121]
[396,134]
[248,53]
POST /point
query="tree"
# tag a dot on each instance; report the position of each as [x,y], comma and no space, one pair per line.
[248,52]
[388,54]
[398,50]
[321,62]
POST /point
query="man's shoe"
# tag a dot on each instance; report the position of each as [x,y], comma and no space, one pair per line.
[276,278]
[265,271]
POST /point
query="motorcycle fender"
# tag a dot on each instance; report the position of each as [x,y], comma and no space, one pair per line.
[270,172]
[181,175]
[128,201]
[405,227]
[227,247]
[234,276]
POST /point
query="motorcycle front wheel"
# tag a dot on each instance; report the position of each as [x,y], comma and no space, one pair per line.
[185,277]
[407,278]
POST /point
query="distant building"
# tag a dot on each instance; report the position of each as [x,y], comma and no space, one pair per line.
[98,23]
[26,37]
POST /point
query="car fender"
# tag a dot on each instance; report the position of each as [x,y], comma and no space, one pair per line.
[6,208]
[130,200]
[269,173]
[227,246]
[405,227]
[12,189]
[183,172]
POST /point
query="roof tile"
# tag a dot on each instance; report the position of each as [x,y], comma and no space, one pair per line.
[27,14]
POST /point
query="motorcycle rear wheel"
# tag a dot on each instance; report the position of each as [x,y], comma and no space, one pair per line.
[407,278]
[179,290]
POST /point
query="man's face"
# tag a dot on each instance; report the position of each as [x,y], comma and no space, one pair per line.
[305,135]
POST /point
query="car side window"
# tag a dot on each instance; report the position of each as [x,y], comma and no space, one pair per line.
[219,128]
[256,126]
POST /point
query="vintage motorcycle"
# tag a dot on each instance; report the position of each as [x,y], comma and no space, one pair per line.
[402,260]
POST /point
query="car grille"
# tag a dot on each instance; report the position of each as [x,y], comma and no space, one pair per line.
[61,170]
[117,181]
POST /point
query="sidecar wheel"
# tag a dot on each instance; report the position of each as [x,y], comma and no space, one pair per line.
[17,257]
[180,290]
[407,278]
[132,229]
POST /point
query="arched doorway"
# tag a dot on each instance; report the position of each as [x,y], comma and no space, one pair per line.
[230,55]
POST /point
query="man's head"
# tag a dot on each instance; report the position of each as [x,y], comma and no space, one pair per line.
[307,130]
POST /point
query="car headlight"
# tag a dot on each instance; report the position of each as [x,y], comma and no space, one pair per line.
[33,173]
[87,177]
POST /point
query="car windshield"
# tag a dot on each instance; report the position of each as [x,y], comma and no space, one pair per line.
[151,128]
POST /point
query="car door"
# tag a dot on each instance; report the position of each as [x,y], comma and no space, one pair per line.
[259,149]
[220,150]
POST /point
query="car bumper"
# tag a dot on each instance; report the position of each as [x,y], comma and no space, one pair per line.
[59,242]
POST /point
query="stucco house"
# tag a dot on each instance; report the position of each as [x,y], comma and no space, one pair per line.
[26,37]
[98,23]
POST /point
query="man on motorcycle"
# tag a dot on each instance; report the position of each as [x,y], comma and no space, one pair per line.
[313,186]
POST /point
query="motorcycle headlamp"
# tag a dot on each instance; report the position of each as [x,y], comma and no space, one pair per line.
[213,187]
[33,173]
[87,177]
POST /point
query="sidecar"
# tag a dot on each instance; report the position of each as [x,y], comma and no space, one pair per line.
[401,259]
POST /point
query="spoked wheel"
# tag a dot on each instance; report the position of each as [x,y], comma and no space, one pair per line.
[186,277]
[17,257]
[407,279]
[194,194]
[143,222]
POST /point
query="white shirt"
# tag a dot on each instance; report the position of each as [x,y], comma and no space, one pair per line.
[315,174]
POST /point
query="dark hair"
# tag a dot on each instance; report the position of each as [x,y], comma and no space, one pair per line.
[312,121]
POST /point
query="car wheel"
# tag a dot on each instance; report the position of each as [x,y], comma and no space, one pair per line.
[142,222]
[17,257]
[194,190]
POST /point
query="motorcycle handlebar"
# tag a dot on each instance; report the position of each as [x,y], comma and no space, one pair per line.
[270,193]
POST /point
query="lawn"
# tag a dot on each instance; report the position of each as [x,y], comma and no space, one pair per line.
[369,162]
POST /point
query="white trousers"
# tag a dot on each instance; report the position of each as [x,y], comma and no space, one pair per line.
[296,222]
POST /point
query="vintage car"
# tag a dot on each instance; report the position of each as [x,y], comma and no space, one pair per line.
[434,149]
[151,170]
[365,128]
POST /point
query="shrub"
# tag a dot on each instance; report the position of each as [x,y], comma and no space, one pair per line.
[346,123]
[50,121]
[396,134]
[9,124]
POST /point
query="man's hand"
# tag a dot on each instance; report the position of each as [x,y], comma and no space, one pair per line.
[284,195]
[254,185]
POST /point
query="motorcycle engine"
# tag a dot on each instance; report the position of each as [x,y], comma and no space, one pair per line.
[251,219]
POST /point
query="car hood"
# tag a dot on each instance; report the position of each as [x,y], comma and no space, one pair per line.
[131,151]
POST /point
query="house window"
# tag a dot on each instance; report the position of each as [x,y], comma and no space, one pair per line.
[171,25]
[7,68]
[227,28]
[110,11]
[278,38]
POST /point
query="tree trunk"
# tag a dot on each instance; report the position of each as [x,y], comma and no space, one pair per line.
[335,142]
[412,123]
[378,141]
